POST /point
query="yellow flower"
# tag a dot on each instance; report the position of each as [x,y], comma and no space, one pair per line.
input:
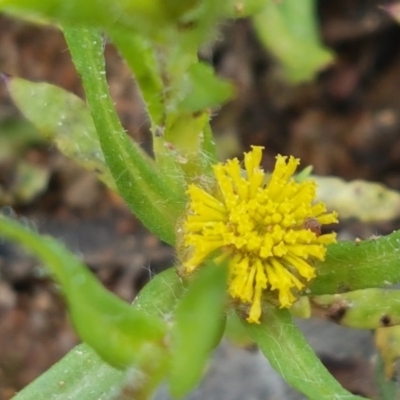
[265,226]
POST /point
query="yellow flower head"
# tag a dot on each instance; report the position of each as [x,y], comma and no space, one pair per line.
[266,226]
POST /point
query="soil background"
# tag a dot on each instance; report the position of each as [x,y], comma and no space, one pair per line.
[345,122]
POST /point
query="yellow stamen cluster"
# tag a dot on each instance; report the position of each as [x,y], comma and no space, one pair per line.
[266,226]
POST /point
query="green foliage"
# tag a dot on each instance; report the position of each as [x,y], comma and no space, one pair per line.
[289,30]
[134,173]
[358,265]
[64,119]
[83,374]
[171,321]
[289,353]
[198,328]
[142,59]
[111,327]
[125,332]
[73,377]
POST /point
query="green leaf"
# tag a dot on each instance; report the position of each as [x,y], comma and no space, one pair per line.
[117,332]
[141,57]
[64,119]
[285,347]
[289,30]
[203,89]
[81,374]
[198,328]
[358,265]
[195,92]
[178,91]
[161,295]
[235,332]
[135,174]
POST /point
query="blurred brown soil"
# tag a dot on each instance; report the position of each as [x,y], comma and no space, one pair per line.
[346,122]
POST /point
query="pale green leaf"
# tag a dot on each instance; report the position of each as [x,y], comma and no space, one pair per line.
[64,119]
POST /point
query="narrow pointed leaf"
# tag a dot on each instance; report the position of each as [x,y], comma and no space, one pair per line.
[289,353]
[198,327]
[110,326]
[81,374]
[140,54]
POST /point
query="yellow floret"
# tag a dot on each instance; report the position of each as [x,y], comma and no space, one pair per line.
[261,225]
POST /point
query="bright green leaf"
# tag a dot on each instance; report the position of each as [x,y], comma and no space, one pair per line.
[198,327]
[112,327]
[204,89]
[81,374]
[289,353]
[141,58]
[358,265]
[161,294]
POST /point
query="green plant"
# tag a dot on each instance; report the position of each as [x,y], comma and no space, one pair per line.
[178,318]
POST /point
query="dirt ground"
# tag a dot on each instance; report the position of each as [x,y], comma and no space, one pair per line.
[346,122]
